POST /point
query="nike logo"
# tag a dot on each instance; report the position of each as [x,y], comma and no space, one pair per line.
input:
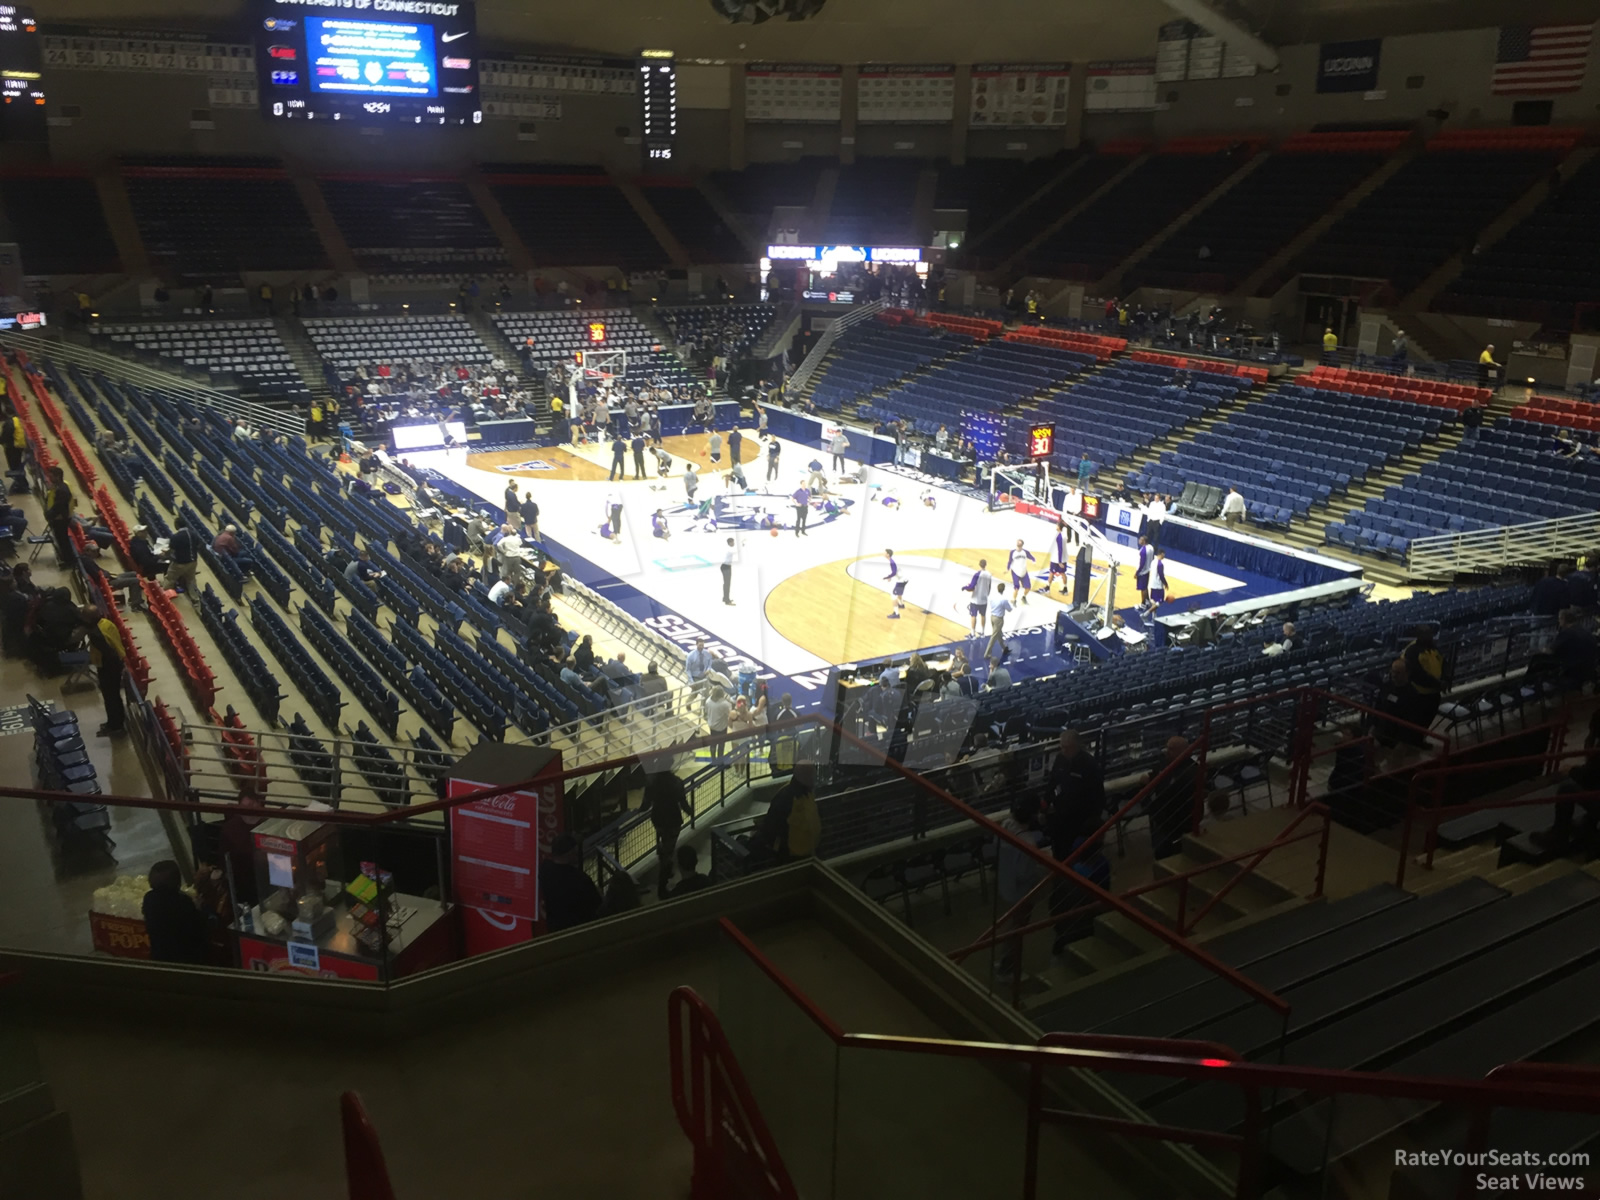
[450,37]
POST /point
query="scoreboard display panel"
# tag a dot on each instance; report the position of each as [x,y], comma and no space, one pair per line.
[373,61]
[22,109]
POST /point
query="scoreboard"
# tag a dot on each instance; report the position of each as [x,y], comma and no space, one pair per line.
[375,61]
[22,112]
[658,104]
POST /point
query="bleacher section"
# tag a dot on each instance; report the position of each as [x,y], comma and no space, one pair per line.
[1121,409]
[1544,267]
[703,234]
[56,219]
[1434,206]
[250,352]
[872,204]
[208,223]
[1337,648]
[412,225]
[874,354]
[760,187]
[1510,475]
[575,216]
[989,188]
[1096,171]
[992,376]
[1305,443]
[1451,984]
[1304,177]
[350,342]
[1137,208]
[556,335]
[727,328]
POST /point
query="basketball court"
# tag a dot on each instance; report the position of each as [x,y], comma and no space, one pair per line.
[802,604]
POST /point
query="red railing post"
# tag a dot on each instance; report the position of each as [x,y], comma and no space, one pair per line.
[366,1173]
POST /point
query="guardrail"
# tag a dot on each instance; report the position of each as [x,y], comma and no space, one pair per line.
[282,420]
[1447,555]
[803,373]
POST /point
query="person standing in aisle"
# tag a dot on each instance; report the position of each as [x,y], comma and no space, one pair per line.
[727,573]
[58,515]
[667,802]
[999,606]
[899,585]
[108,655]
[978,587]
[802,509]
[14,435]
[774,448]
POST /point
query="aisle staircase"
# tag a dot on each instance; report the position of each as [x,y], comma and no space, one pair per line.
[304,356]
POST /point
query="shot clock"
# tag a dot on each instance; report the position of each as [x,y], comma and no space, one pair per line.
[1041,442]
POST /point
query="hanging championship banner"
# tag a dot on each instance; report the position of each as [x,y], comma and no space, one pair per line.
[1012,94]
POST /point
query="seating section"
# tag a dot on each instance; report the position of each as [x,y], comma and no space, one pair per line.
[1265,211]
[986,379]
[726,329]
[249,352]
[989,188]
[1544,267]
[413,225]
[1511,474]
[556,335]
[1122,408]
[350,342]
[760,187]
[873,203]
[56,219]
[1298,447]
[697,226]
[576,219]
[1434,206]
[207,223]
[874,354]
[1137,208]
[1338,648]
[1096,170]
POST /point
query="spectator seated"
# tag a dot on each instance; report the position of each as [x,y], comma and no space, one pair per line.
[556,335]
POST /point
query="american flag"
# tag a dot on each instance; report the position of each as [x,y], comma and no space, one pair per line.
[1541,59]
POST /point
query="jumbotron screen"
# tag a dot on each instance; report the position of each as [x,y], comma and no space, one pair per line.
[403,61]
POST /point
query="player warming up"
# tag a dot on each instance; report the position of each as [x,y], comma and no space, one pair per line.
[1060,554]
[1021,560]
[899,585]
[979,587]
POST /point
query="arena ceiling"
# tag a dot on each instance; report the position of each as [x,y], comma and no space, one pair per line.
[885,30]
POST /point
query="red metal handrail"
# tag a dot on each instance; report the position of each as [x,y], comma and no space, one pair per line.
[714,1104]
[365,1171]
[1531,1086]
[1432,814]
[1077,852]
[1181,879]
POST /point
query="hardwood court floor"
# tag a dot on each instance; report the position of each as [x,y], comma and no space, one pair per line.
[593,463]
[826,611]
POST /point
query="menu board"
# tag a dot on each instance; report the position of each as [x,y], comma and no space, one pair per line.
[906,93]
[793,92]
[1025,94]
